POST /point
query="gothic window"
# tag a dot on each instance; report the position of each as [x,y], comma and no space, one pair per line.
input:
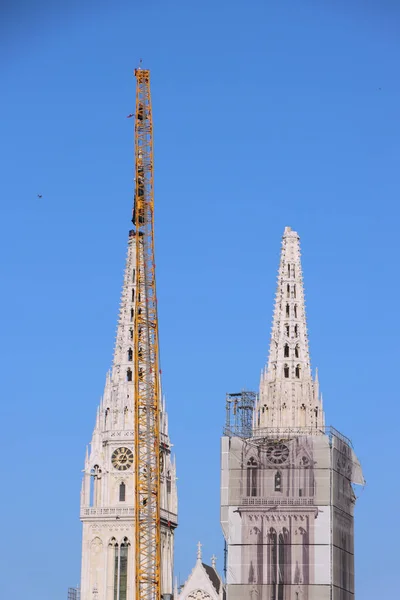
[278,482]
[288,290]
[131,314]
[316,412]
[286,371]
[296,331]
[297,351]
[273,561]
[281,566]
[122,490]
[123,570]
[95,476]
[298,370]
[252,477]
[294,291]
[131,334]
[293,271]
[306,550]
[295,311]
[287,310]
[302,415]
[130,355]
[288,270]
[133,295]
[133,276]
[169,482]
[129,375]
[287,329]
[286,351]
[278,563]
[120,570]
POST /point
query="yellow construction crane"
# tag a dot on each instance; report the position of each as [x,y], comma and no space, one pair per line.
[147,382]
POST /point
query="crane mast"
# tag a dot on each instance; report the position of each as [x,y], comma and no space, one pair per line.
[147,382]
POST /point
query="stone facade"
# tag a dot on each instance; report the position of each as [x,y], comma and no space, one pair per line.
[107,502]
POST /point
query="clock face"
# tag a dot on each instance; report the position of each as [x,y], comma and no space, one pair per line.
[277,453]
[122,459]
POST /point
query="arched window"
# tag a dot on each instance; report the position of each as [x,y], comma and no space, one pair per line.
[122,492]
[288,290]
[286,351]
[306,550]
[293,271]
[297,351]
[95,474]
[133,295]
[252,469]
[133,276]
[288,270]
[121,571]
[296,331]
[273,561]
[298,370]
[131,334]
[303,415]
[294,291]
[287,310]
[278,482]
[286,371]
[295,311]
[281,566]
[130,355]
[131,314]
[287,329]
[129,375]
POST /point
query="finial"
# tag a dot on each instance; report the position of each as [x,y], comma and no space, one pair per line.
[214,562]
[199,545]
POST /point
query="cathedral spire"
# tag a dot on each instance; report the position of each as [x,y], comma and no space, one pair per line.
[289,397]
[123,368]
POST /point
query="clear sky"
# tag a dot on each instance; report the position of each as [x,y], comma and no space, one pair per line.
[266,114]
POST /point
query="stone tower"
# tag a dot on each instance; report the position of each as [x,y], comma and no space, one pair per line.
[287,497]
[107,496]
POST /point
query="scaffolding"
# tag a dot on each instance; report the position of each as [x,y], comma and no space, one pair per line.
[239,414]
[74,593]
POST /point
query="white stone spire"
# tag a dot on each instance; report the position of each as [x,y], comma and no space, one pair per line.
[107,496]
[289,397]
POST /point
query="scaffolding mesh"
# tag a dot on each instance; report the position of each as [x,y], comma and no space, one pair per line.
[74,593]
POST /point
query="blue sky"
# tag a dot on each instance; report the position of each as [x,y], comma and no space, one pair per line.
[266,114]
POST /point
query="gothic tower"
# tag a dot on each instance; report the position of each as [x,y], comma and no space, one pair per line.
[107,496]
[287,497]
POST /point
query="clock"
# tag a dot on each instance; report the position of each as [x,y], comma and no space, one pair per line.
[122,459]
[277,453]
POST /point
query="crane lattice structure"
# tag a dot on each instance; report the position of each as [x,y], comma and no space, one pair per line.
[147,377]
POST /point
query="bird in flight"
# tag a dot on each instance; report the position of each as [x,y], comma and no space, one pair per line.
[130,116]
[40,195]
